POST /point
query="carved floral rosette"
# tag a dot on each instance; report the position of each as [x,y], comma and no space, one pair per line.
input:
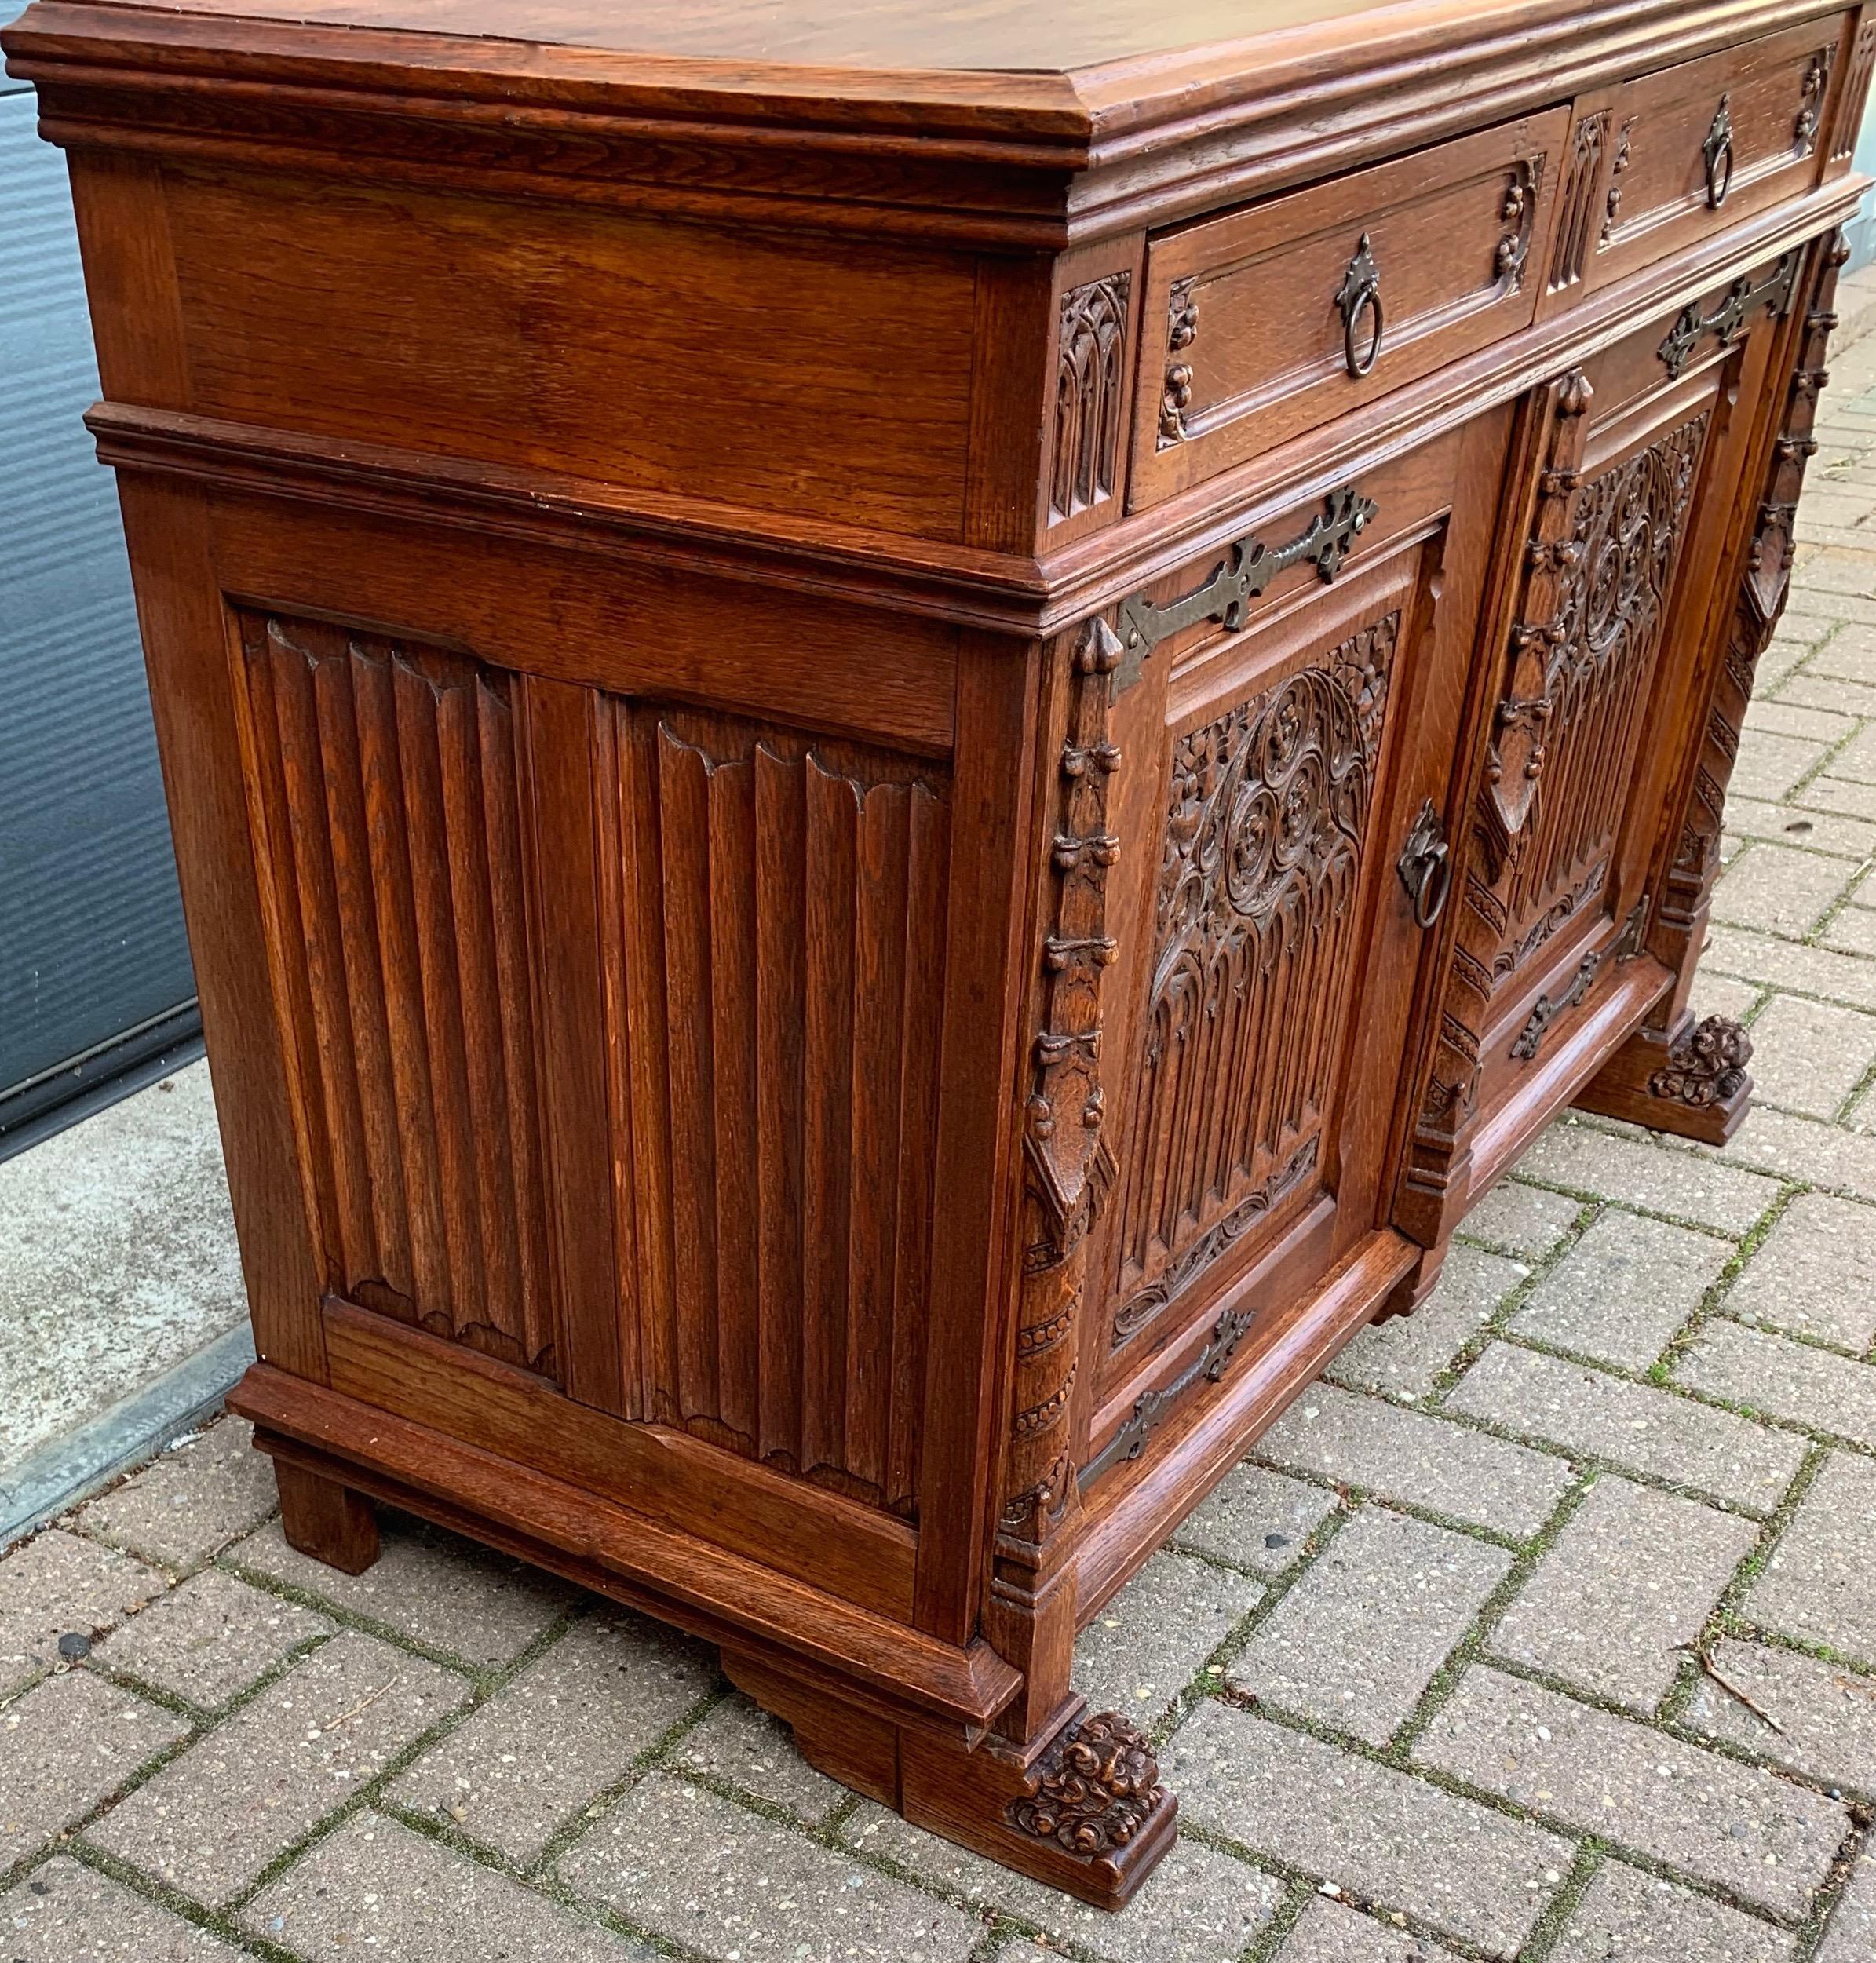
[1099,1785]
[1707,1066]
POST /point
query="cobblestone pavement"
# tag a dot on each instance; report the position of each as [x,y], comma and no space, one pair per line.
[1544,1629]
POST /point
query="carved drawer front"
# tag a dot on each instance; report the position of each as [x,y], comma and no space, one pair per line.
[1683,151]
[1259,325]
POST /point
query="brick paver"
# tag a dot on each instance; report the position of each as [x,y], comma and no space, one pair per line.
[1486,1652]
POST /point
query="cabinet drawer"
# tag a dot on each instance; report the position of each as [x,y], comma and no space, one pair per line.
[1272,320]
[1693,147]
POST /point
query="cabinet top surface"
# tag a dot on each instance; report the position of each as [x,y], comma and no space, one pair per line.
[1009,36]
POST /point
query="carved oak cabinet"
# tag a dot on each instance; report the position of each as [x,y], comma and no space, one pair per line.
[903,739]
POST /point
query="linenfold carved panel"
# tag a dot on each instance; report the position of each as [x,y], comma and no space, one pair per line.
[1260,859]
[1623,543]
[383,780]
[778,956]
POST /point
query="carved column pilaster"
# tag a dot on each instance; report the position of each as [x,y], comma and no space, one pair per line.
[1067,1168]
[1433,1191]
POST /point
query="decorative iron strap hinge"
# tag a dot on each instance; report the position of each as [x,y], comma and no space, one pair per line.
[1151,1407]
[1775,290]
[1248,569]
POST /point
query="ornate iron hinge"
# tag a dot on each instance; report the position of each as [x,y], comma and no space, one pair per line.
[1622,950]
[1150,1408]
[1249,568]
[1729,316]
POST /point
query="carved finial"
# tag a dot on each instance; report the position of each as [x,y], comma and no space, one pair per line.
[1097,1786]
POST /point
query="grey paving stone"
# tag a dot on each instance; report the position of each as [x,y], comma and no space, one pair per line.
[1776,889]
[435,1588]
[701,1870]
[1405,1355]
[65,1744]
[1706,1816]
[1633,1426]
[1856,760]
[373,1888]
[1197,1906]
[1815,1273]
[1721,995]
[739,1742]
[1633,1573]
[1772,1374]
[1771,766]
[567,1725]
[1809,1057]
[1331,1933]
[1522,1220]
[212,1819]
[1784,963]
[1624,1289]
[210,1638]
[1627,1917]
[1418,1460]
[56,1584]
[1819,831]
[1850,1935]
[1853,931]
[67,1913]
[1656,1177]
[1828,1713]
[1829,724]
[1256,1518]
[1148,1644]
[1839,795]
[1385,1837]
[1358,1638]
[1820,1583]
[192,1500]
[1804,1148]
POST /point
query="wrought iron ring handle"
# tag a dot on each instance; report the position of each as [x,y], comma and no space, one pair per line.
[1716,153]
[1360,295]
[1426,867]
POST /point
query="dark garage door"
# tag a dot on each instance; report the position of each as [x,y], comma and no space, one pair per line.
[94,973]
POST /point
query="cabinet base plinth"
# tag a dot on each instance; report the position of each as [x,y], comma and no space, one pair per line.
[1080,1808]
[1691,1080]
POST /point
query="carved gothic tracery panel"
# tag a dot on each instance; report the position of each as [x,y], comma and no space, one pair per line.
[1266,813]
[1090,383]
[1623,543]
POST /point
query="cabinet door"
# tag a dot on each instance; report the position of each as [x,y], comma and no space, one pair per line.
[1634,473]
[1273,765]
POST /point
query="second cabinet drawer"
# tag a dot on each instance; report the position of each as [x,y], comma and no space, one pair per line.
[1268,322]
[1693,147]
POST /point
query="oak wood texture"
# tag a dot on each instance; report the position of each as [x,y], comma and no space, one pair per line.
[903,740]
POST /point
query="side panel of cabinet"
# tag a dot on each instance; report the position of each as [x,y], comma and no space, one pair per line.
[1269,942]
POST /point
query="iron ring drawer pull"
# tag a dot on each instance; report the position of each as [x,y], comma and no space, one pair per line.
[1360,294]
[1426,867]
[1716,153]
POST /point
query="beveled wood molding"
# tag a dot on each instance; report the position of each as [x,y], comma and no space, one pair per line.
[1005,157]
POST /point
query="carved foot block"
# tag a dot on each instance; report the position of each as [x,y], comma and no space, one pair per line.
[1693,1082]
[327,1520]
[1414,1287]
[1084,1810]
[1081,1807]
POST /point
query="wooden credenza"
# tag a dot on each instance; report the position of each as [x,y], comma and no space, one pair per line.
[903,739]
